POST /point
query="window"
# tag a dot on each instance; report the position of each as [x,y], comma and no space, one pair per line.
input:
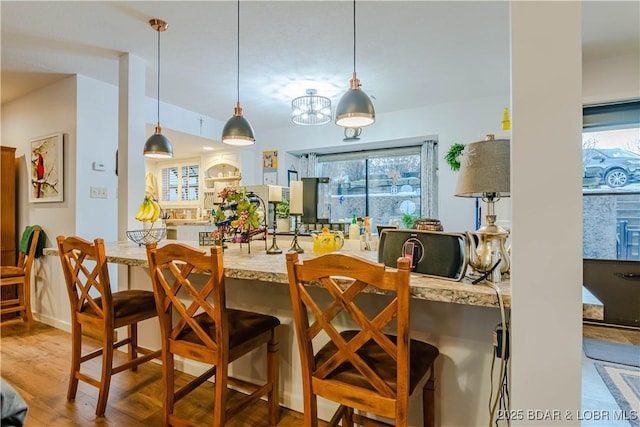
[385,185]
[180,183]
[611,181]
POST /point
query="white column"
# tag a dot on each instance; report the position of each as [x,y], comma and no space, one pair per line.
[546,196]
[131,139]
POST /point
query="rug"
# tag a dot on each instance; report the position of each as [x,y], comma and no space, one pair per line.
[623,354]
[624,384]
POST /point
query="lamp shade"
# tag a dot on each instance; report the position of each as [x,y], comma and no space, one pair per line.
[485,169]
[238,130]
[158,146]
[355,109]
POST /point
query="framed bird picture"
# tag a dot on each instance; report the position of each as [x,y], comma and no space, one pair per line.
[46,169]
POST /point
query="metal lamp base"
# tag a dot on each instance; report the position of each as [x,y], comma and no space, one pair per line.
[295,247]
[274,249]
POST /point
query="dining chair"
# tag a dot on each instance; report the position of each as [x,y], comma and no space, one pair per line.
[20,276]
[365,368]
[196,324]
[95,306]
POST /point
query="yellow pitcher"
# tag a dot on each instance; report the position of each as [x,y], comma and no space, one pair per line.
[327,241]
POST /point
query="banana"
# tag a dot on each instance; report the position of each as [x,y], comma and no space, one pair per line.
[148,210]
[156,210]
[140,213]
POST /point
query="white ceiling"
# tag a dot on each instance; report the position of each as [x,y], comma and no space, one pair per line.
[408,53]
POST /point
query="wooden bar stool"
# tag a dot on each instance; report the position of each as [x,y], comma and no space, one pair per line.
[196,324]
[365,369]
[85,271]
[20,276]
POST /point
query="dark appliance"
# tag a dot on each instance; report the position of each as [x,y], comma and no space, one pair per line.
[432,253]
[316,203]
[616,284]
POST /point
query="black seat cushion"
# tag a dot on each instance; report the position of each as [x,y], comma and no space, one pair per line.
[243,325]
[126,303]
[421,357]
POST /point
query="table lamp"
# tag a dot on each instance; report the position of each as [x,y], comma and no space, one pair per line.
[484,173]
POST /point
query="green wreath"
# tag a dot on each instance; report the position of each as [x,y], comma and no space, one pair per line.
[452,156]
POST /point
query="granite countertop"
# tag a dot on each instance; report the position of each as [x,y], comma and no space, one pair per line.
[258,265]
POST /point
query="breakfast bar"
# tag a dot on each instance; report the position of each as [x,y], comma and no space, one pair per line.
[457,317]
[259,266]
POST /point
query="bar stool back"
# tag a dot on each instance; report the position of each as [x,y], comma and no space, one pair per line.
[93,305]
[196,324]
[364,369]
[20,276]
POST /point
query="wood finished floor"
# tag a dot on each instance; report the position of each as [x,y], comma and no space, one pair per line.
[36,362]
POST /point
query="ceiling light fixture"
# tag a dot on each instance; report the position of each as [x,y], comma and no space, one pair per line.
[158,145]
[238,130]
[355,109]
[311,109]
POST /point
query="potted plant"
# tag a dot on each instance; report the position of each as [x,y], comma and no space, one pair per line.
[283,223]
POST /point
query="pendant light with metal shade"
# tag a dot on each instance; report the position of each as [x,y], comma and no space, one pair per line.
[158,145]
[238,130]
[355,109]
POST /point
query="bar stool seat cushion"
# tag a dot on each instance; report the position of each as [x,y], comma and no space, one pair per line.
[380,362]
[7,271]
[126,303]
[243,325]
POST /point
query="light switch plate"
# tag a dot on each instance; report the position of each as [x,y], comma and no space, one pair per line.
[98,192]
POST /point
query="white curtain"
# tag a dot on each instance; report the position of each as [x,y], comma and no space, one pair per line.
[429,194]
[308,164]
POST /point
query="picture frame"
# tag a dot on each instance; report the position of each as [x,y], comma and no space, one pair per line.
[270,178]
[46,168]
[292,175]
[270,160]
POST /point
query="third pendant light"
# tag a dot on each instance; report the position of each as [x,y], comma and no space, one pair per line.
[355,109]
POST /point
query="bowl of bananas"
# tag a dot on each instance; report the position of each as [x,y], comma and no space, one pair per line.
[148,212]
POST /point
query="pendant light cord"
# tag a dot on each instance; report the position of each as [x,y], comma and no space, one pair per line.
[158,76]
[354,36]
[238,59]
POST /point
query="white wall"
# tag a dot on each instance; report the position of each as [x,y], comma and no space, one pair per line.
[48,110]
[97,136]
[613,78]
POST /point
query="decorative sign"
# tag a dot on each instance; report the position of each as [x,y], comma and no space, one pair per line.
[270,160]
[46,169]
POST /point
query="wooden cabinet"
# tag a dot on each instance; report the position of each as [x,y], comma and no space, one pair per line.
[8,219]
[8,212]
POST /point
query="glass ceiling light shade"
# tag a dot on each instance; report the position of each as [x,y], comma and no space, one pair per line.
[238,130]
[158,145]
[355,109]
[311,109]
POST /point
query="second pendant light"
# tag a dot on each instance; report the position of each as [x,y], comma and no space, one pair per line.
[238,130]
